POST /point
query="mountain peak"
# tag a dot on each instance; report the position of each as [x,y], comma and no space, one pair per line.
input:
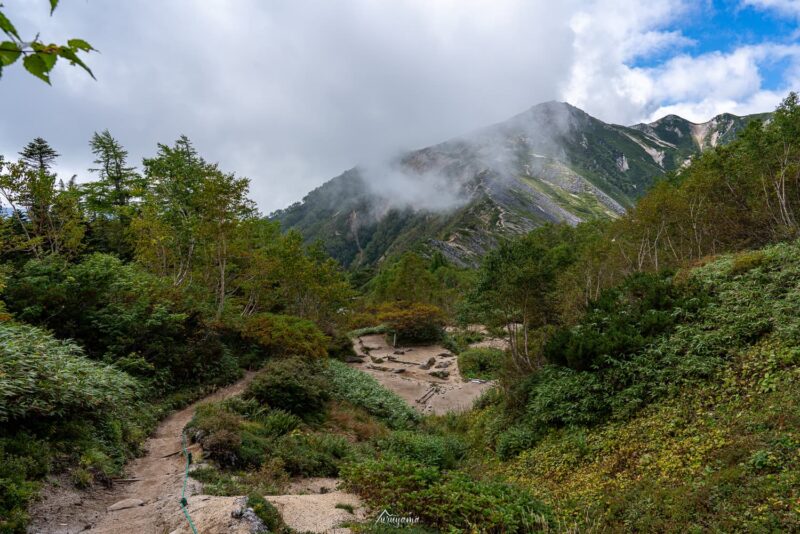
[550,163]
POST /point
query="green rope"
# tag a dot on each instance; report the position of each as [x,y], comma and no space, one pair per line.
[183,501]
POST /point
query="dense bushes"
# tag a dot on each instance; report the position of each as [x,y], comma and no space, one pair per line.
[241,433]
[444,452]
[445,499]
[293,384]
[658,338]
[484,363]
[621,322]
[412,322]
[122,315]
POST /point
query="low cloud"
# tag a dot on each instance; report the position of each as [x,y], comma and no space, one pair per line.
[399,187]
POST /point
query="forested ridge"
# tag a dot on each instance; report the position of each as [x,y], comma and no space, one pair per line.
[648,380]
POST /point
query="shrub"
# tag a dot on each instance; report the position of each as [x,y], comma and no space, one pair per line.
[340,347]
[281,335]
[413,322]
[293,384]
[745,261]
[312,455]
[219,432]
[120,313]
[276,423]
[459,340]
[41,377]
[444,452]
[452,500]
[362,390]
[483,363]
[367,330]
[515,440]
[621,322]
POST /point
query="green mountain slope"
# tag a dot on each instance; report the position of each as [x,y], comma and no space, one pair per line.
[552,163]
[717,448]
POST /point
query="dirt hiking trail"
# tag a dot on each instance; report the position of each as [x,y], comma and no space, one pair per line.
[147,502]
[150,503]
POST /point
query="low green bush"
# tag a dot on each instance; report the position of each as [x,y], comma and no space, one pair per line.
[515,440]
[340,347]
[296,385]
[484,363]
[444,452]
[281,335]
[367,330]
[450,500]
[458,341]
[57,407]
[312,455]
[413,323]
[42,377]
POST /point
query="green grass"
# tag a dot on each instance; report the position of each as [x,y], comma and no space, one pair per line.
[360,389]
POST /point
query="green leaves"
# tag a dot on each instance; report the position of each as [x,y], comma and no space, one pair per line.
[39,58]
[37,66]
[70,55]
[79,44]
[9,53]
[8,28]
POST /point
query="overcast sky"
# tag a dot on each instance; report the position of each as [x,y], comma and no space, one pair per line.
[292,92]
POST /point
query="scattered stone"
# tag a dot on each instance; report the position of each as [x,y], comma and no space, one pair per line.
[378,368]
[443,365]
[427,365]
[399,352]
[125,503]
[376,360]
[440,374]
[323,490]
[399,371]
[353,359]
[446,355]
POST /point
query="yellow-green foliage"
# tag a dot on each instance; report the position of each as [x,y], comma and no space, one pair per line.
[723,457]
[283,335]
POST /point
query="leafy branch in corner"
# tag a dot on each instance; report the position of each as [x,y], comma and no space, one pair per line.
[39,58]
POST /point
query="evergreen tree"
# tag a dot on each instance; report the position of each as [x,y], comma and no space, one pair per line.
[118,182]
[39,155]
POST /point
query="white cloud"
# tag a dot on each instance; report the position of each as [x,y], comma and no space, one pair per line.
[608,36]
[785,7]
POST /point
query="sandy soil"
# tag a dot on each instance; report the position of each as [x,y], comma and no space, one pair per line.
[311,503]
[407,372]
[153,494]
